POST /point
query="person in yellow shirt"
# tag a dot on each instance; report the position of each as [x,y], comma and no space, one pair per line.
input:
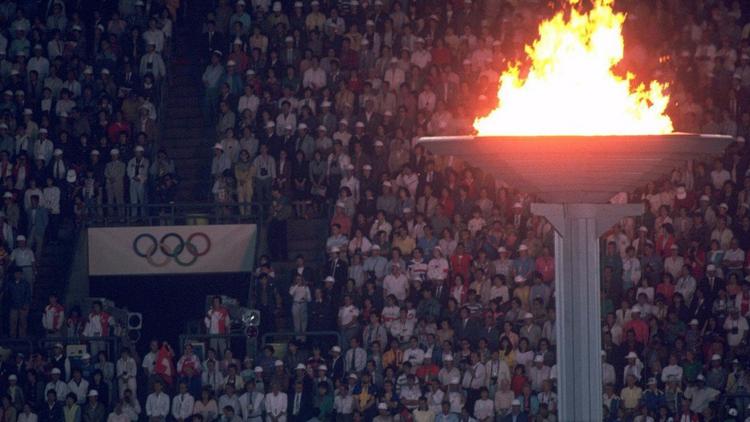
[631,394]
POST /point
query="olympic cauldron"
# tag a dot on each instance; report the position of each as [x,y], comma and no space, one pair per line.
[576,176]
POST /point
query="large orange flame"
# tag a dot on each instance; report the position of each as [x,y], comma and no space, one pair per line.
[570,88]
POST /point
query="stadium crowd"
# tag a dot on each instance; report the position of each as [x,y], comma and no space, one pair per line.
[78,124]
[439,281]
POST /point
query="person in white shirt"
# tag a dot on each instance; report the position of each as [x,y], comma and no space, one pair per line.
[157,404]
[608,371]
[126,372]
[275,404]
[149,361]
[686,284]
[538,373]
[484,408]
[355,359]
[154,35]
[152,62]
[182,404]
[396,284]
[315,76]
[673,371]
[79,386]
[300,294]
[56,384]
[736,327]
[118,414]
[251,403]
[414,354]
[27,415]
[212,376]
[343,403]
[410,393]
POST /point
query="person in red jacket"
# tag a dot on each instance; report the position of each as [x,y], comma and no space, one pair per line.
[639,326]
[461,262]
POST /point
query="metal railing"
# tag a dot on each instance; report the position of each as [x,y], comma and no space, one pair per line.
[22,345]
[236,342]
[28,345]
[288,335]
[112,345]
[174,214]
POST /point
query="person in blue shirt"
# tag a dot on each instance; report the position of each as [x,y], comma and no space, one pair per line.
[445,414]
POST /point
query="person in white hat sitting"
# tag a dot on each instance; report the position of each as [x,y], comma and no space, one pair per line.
[94,411]
[57,385]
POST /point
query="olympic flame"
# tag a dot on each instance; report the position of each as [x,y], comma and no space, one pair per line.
[570,88]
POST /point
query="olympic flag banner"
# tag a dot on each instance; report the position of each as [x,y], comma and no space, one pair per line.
[221,248]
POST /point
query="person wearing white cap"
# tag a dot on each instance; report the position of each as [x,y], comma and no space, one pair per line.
[93,410]
[114,181]
[701,395]
[633,367]
[57,385]
[138,176]
[524,264]
[38,62]
[24,259]
[538,373]
[43,146]
[637,324]
[712,282]
[152,63]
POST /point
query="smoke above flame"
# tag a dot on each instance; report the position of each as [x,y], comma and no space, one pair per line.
[570,87]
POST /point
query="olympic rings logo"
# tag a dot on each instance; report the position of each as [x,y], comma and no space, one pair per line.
[171,246]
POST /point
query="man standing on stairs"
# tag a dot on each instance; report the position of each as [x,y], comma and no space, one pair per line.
[19,294]
[212,77]
[114,174]
[37,218]
[138,176]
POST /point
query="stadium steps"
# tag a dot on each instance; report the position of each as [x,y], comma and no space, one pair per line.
[185,130]
[306,238]
[53,269]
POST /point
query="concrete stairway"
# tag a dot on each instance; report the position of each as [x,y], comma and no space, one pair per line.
[306,238]
[184,135]
[53,268]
